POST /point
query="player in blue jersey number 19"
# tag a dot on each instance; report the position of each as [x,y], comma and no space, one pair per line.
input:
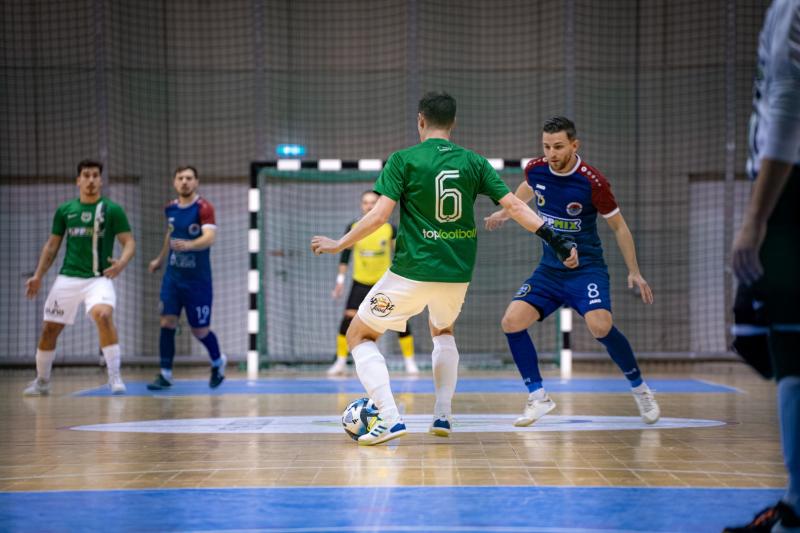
[569,195]
[191,231]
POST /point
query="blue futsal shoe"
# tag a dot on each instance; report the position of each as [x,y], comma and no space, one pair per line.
[160,383]
[441,426]
[218,373]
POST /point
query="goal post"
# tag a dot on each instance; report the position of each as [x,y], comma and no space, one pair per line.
[292,317]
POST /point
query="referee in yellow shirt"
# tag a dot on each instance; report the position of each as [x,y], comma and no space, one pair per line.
[373,256]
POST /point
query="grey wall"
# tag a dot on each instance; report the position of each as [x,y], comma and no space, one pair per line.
[659,89]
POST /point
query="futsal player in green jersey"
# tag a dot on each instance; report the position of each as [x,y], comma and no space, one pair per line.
[90,223]
[436,184]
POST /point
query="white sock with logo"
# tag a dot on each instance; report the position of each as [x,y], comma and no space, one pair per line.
[44,363]
[372,371]
[445,373]
[113,358]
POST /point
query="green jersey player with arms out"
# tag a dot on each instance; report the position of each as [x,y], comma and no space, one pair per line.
[90,222]
[436,184]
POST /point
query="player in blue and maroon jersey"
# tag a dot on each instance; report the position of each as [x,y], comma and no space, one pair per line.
[569,195]
[187,281]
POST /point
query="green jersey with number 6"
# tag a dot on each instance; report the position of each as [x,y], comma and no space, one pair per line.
[90,231]
[436,183]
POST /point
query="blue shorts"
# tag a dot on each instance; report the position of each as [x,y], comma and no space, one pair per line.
[195,296]
[584,290]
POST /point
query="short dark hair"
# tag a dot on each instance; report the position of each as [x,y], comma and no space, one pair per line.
[89,163]
[438,108]
[559,123]
[186,167]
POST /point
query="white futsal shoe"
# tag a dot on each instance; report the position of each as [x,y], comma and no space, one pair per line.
[411,366]
[339,368]
[383,431]
[535,408]
[37,387]
[116,384]
[646,402]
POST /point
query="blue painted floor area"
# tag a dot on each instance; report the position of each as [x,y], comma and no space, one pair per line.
[409,385]
[386,509]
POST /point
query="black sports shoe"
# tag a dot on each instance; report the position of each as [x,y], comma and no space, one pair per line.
[767,518]
[159,383]
[218,373]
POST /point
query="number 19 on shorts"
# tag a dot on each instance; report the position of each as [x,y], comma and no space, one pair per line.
[203,312]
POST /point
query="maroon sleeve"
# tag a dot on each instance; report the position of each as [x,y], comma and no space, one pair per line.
[532,163]
[206,213]
[602,197]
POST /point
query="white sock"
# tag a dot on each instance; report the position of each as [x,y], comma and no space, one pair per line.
[372,371]
[44,363]
[539,394]
[789,416]
[445,373]
[166,373]
[641,387]
[113,358]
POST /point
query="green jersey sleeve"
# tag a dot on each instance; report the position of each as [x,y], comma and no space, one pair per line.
[59,222]
[491,184]
[118,219]
[390,181]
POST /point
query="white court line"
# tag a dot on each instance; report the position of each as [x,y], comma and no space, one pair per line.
[327,424]
[707,382]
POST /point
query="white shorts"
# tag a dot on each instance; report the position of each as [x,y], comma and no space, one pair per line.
[68,293]
[395,299]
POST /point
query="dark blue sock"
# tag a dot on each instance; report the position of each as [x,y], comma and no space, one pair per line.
[621,352]
[166,347]
[525,358]
[211,344]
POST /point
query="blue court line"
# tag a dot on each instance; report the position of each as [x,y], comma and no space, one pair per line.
[410,385]
[386,509]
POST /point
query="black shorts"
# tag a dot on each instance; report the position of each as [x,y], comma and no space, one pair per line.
[780,256]
[358,292]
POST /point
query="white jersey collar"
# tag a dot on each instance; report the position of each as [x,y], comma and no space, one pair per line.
[190,204]
[570,172]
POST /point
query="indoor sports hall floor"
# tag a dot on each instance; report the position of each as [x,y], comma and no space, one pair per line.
[270,455]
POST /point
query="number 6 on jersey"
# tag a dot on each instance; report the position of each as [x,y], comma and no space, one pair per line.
[443,193]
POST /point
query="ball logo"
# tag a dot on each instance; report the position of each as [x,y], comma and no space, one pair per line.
[574,208]
[194,229]
[86,216]
[380,305]
[523,291]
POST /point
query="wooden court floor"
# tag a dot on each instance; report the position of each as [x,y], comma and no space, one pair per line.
[44,451]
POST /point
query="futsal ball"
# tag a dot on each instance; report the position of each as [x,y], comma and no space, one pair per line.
[359,417]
